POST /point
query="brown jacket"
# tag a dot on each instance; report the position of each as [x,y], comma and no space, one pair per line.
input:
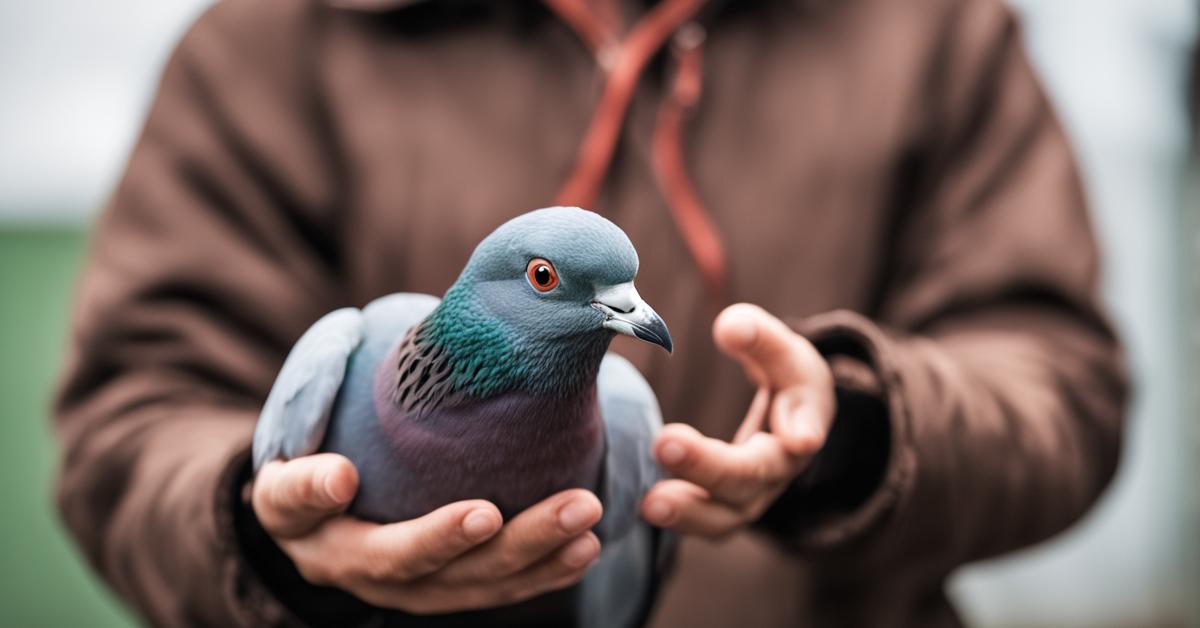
[887,176]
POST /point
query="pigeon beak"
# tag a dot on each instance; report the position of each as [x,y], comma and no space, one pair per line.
[626,313]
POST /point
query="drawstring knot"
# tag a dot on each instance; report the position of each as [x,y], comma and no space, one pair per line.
[624,60]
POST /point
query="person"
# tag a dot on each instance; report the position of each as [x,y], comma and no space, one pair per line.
[882,189]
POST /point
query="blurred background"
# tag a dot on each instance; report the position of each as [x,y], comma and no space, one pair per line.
[75,81]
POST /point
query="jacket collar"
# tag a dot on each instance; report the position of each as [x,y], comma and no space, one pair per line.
[371,6]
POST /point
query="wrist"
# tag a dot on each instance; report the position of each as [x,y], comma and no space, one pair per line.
[314,605]
[850,466]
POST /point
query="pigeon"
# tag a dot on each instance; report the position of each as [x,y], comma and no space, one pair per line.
[502,390]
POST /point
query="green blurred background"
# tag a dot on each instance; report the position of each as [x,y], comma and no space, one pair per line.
[42,582]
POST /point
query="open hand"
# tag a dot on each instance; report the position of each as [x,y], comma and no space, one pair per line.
[718,486]
[456,558]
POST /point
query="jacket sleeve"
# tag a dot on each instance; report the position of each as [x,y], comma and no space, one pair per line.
[214,253]
[986,410]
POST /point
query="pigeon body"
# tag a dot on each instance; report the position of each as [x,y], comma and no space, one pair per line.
[498,447]
[502,390]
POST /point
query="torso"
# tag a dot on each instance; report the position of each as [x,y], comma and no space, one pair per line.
[796,150]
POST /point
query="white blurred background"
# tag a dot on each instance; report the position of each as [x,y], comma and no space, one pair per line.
[1117,70]
[76,76]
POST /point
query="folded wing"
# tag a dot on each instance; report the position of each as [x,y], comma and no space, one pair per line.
[619,588]
[296,413]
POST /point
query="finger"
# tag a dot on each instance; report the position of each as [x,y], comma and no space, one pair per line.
[735,474]
[291,498]
[352,549]
[421,546]
[686,508]
[772,354]
[777,358]
[561,569]
[528,537]
[756,415]
[801,417]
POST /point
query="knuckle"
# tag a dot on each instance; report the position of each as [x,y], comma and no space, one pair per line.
[760,473]
[729,483]
[267,495]
[341,573]
[303,490]
[396,569]
[508,561]
[746,482]
[424,555]
[376,570]
[413,567]
[688,461]
[283,493]
[417,559]
[742,494]
[381,565]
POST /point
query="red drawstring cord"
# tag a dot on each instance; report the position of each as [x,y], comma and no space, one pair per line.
[699,232]
[596,150]
[633,53]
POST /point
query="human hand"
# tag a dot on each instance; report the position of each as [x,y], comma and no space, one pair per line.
[719,487]
[459,557]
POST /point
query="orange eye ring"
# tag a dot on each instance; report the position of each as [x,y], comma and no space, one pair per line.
[541,274]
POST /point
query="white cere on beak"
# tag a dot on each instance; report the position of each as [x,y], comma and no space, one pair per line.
[623,297]
[626,313]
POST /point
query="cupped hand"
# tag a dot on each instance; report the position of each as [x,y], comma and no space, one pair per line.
[721,486]
[459,557]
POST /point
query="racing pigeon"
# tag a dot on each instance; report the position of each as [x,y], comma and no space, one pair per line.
[502,390]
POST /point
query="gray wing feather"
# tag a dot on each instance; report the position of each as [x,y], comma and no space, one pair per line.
[296,414]
[632,419]
[391,315]
[616,590]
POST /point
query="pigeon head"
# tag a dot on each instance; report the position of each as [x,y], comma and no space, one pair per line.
[539,301]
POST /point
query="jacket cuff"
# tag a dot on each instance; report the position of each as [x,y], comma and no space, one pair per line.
[867,462]
[244,588]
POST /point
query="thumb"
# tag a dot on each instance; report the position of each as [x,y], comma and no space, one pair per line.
[772,354]
[291,498]
[789,367]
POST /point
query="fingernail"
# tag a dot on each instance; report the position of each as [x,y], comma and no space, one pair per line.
[580,552]
[479,524]
[659,511]
[576,516]
[671,453]
[339,492]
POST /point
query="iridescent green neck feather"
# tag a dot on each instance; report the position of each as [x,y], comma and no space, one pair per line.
[461,350]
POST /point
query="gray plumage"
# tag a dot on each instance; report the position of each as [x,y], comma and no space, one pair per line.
[513,444]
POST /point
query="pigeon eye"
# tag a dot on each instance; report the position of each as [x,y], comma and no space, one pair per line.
[542,275]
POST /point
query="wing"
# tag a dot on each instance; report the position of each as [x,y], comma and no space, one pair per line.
[390,316]
[619,589]
[631,421]
[296,413]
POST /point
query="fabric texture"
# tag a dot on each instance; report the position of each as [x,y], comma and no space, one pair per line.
[887,177]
